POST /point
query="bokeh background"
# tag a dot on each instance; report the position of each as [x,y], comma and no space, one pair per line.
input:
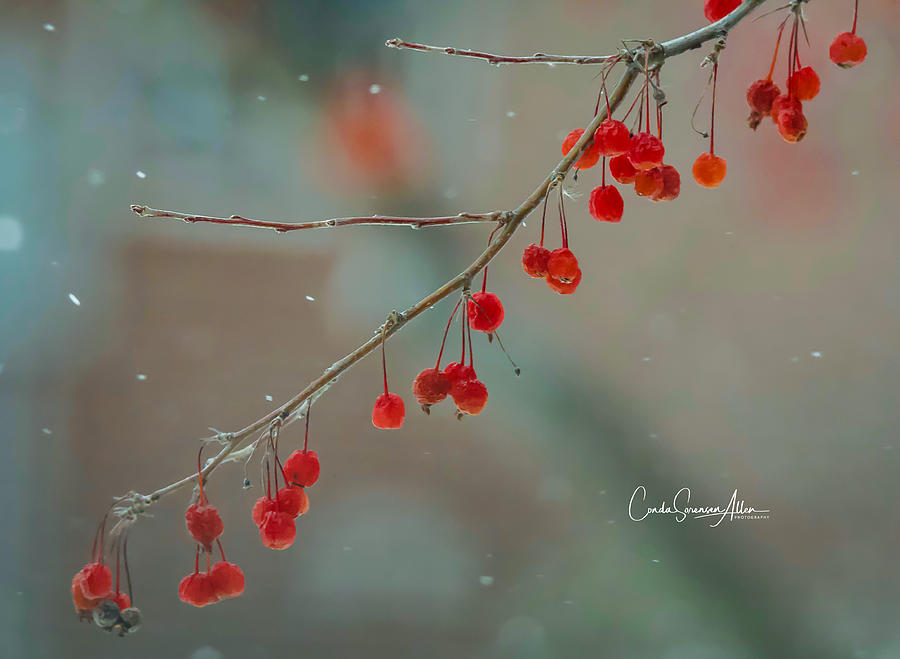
[742,338]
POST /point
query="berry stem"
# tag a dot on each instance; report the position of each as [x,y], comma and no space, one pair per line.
[855,15]
[383,358]
[543,219]
[471,357]
[712,119]
[221,551]
[306,432]
[446,332]
[200,477]
[197,560]
[775,54]
[603,174]
[465,318]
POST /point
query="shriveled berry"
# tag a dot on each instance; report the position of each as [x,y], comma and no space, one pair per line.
[622,170]
[457,372]
[388,412]
[277,530]
[562,264]
[760,96]
[563,287]
[671,184]
[534,260]
[715,10]
[203,523]
[606,204]
[197,589]
[590,156]
[792,125]
[96,581]
[612,138]
[709,170]
[804,84]
[106,614]
[302,468]
[470,395]
[431,386]
[847,50]
[130,620]
[293,501]
[646,151]
[649,182]
[81,602]
[227,579]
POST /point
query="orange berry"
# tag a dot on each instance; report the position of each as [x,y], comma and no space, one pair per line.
[590,156]
[649,182]
[227,579]
[709,170]
[96,581]
[760,96]
[81,602]
[293,501]
[262,506]
[203,523]
[783,103]
[715,10]
[197,589]
[792,125]
[277,530]
[470,395]
[606,204]
[302,468]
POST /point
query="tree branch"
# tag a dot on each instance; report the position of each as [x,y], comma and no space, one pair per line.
[490,58]
[284,227]
[133,504]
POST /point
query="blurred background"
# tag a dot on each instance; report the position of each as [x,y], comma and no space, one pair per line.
[742,338]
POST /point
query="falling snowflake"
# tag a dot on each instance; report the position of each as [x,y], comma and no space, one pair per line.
[74,300]
[140,174]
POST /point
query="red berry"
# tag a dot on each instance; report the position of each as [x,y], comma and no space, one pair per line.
[203,523]
[760,96]
[96,581]
[622,170]
[591,155]
[457,372]
[715,10]
[293,501]
[121,600]
[485,312]
[534,260]
[562,287]
[646,151]
[470,395]
[81,602]
[847,50]
[302,468]
[792,125]
[277,530]
[783,103]
[671,184]
[612,138]
[227,579]
[197,589]
[606,204]
[562,265]
[804,84]
[262,506]
[649,182]
[388,412]
[431,386]
[709,170]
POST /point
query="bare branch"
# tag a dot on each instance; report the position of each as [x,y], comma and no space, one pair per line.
[136,504]
[490,58]
[284,227]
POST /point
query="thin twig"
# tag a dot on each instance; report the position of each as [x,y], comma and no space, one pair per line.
[491,58]
[136,504]
[284,227]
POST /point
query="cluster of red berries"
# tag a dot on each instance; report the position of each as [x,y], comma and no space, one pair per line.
[274,516]
[219,581]
[786,108]
[483,312]
[94,596]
